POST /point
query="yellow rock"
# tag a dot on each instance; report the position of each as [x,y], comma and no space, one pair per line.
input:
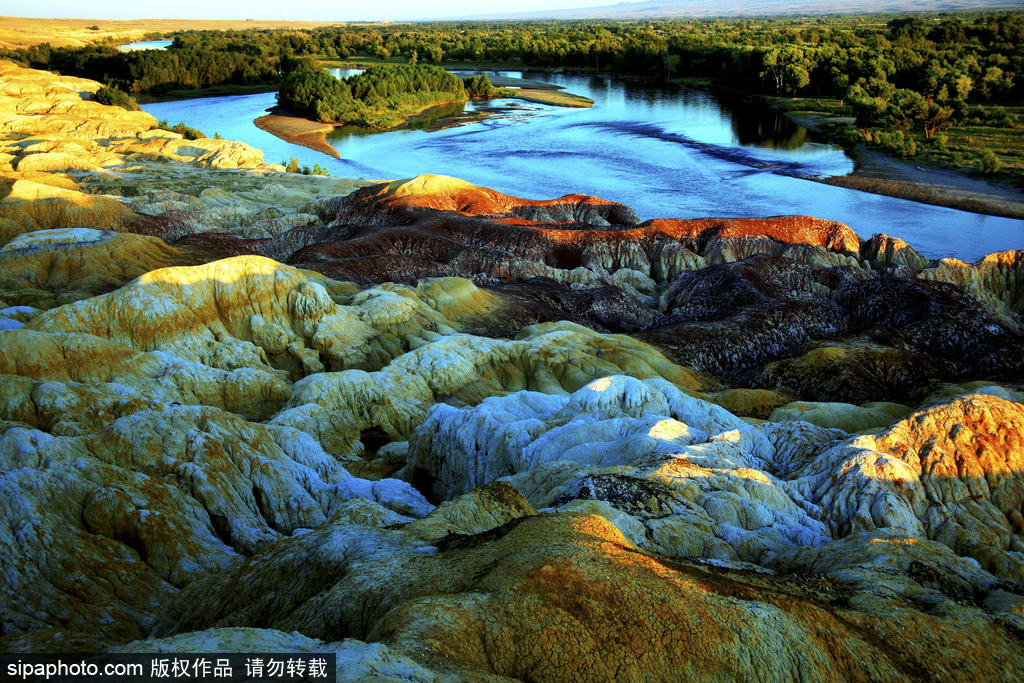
[882,250]
[997,279]
[464,370]
[121,517]
[758,403]
[113,374]
[970,453]
[474,512]
[567,597]
[35,206]
[81,259]
[1008,392]
[844,416]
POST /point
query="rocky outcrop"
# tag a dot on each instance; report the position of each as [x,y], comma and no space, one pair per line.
[48,126]
[568,597]
[996,279]
[449,434]
[883,251]
[81,261]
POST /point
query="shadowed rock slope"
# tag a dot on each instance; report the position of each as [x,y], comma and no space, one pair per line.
[450,434]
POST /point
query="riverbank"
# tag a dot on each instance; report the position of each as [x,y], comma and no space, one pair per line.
[210,91]
[879,173]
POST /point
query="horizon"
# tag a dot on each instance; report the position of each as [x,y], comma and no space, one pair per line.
[316,10]
[413,11]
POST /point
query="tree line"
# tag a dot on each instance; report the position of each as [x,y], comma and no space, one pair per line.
[921,71]
[949,55]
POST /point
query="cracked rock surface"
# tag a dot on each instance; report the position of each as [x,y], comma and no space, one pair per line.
[450,434]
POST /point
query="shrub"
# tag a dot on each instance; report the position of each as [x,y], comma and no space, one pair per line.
[117,98]
[854,136]
[181,129]
[896,142]
[976,112]
[989,162]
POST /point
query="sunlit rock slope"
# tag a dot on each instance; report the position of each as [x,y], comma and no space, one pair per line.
[450,434]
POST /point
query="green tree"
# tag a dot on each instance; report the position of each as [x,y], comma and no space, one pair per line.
[933,117]
[479,86]
[903,109]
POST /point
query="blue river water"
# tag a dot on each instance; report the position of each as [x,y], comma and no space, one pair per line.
[666,152]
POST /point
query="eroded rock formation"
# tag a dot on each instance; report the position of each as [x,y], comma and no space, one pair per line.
[449,434]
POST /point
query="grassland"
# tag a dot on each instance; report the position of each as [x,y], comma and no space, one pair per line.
[945,171]
[958,147]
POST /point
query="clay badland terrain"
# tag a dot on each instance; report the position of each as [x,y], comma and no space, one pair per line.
[451,434]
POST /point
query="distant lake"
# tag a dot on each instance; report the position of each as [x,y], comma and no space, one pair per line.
[146,45]
[667,152]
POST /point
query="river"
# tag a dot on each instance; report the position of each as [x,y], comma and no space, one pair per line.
[146,45]
[666,152]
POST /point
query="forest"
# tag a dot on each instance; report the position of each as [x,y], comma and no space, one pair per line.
[941,57]
[911,75]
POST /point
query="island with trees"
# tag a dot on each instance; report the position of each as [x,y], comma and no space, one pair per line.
[384,96]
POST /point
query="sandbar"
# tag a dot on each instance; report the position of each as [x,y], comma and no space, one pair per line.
[298,131]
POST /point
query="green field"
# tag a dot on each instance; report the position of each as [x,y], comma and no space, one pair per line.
[957,147]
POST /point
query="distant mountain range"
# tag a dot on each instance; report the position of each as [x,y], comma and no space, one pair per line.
[665,9]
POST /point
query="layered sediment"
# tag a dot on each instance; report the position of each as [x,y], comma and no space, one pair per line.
[450,434]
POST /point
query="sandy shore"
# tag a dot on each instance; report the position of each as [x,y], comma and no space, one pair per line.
[543,93]
[556,98]
[298,131]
